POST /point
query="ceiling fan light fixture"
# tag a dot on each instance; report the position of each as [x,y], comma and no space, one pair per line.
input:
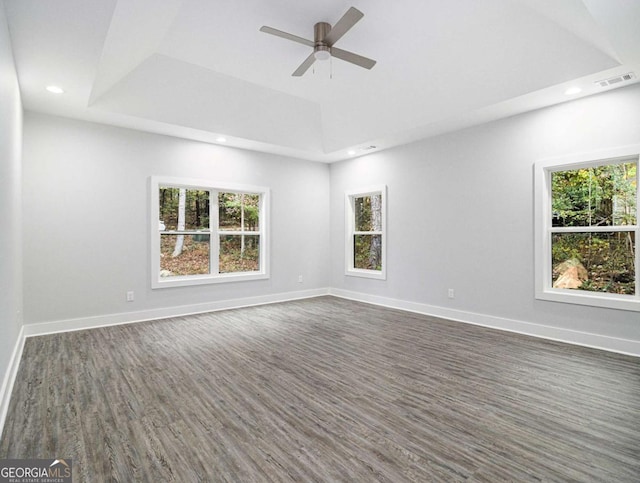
[322,52]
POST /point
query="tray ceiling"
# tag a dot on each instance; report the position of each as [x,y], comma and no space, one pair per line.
[201,69]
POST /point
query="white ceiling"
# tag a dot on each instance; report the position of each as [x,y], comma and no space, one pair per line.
[201,68]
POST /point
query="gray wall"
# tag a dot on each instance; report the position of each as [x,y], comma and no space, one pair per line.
[10,201]
[460,215]
[460,212]
[86,218]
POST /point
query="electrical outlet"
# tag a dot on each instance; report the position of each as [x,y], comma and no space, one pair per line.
[130,296]
[452,294]
[299,278]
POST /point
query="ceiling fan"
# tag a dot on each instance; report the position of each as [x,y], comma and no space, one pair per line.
[325,38]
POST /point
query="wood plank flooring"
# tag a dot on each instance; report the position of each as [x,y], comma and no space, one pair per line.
[324,389]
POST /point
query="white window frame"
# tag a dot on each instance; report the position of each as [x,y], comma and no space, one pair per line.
[214,232]
[543,229]
[350,232]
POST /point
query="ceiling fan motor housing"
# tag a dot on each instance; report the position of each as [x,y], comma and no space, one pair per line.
[320,30]
[321,51]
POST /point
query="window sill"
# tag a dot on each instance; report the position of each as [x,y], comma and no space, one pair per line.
[186,281]
[593,299]
[376,274]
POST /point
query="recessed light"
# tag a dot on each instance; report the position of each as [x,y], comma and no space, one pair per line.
[221,139]
[572,90]
[351,152]
[55,89]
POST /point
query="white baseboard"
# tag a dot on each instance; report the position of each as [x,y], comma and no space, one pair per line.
[43,328]
[586,339]
[10,378]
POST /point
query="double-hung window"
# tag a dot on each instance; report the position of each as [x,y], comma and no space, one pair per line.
[205,232]
[587,229]
[366,220]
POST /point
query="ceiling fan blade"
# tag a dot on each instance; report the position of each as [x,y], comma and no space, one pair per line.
[353,58]
[285,35]
[341,27]
[304,66]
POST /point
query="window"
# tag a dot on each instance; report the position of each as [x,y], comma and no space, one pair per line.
[366,232]
[204,232]
[587,228]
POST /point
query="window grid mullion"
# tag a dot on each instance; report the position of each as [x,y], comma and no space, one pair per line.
[637,232]
[214,245]
[593,229]
[185,232]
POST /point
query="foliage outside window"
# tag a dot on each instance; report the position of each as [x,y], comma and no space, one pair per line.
[366,222]
[205,233]
[587,214]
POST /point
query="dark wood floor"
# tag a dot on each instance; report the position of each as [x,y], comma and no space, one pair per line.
[324,390]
